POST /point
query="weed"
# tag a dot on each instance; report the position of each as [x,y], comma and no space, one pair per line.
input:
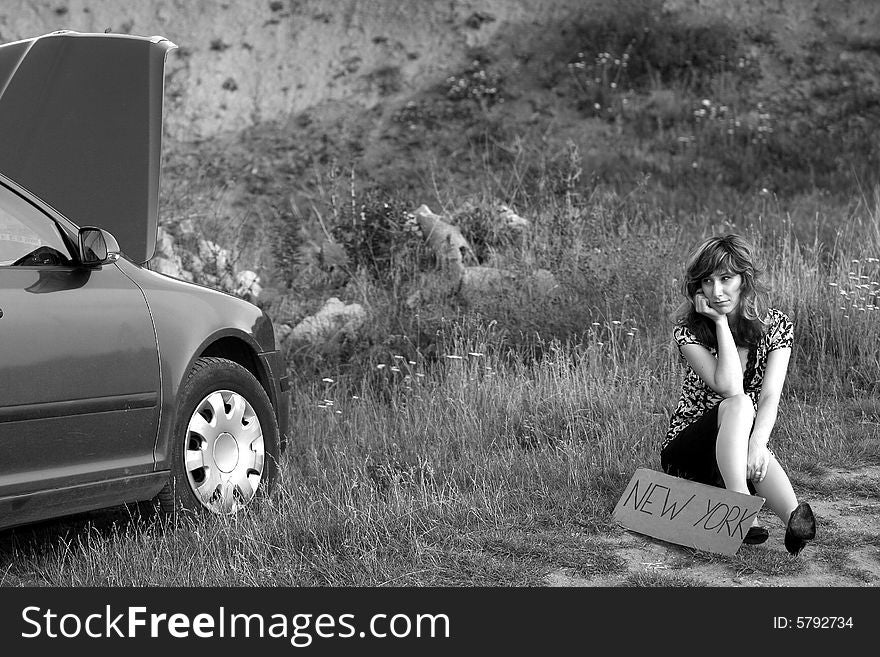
[382,237]
[477,82]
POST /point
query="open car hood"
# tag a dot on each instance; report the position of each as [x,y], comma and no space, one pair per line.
[81,127]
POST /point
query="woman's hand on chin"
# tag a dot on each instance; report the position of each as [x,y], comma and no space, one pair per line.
[701,305]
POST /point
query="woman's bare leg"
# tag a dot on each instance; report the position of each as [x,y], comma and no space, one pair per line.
[777,490]
[735,417]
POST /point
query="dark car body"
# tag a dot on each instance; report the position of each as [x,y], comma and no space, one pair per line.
[94,352]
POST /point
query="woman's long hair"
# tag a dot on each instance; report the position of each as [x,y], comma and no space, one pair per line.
[731,253]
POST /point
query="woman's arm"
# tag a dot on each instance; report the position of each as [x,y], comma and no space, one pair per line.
[722,373]
[765,419]
[771,391]
[728,371]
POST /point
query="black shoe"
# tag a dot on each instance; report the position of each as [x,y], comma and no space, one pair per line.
[800,529]
[756,535]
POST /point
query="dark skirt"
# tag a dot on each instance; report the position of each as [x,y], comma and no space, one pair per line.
[691,454]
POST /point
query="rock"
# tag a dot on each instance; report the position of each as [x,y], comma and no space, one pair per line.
[333,255]
[282,332]
[432,287]
[484,282]
[166,260]
[335,319]
[542,284]
[449,245]
[214,254]
[471,282]
[212,265]
[170,267]
[511,220]
[247,285]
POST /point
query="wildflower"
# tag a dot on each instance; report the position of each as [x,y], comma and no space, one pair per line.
[396,357]
[615,322]
[411,362]
[327,379]
[380,366]
[355,397]
[630,334]
[395,369]
[329,402]
[339,412]
[419,374]
[833,284]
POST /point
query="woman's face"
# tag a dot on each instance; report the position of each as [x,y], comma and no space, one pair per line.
[722,289]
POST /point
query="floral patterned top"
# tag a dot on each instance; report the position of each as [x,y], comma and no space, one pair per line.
[697,397]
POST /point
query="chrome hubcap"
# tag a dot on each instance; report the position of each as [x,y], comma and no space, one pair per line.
[225,454]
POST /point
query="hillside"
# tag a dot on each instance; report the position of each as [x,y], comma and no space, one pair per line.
[242,63]
[278,88]
[298,130]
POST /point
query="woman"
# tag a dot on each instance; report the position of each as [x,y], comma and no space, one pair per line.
[737,351]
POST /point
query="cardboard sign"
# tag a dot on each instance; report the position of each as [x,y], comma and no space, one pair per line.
[685,512]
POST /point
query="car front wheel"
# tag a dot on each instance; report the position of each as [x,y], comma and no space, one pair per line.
[225,444]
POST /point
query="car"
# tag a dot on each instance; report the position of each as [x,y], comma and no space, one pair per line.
[118,384]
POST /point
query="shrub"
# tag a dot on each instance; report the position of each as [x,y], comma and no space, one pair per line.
[477,83]
[380,237]
[639,46]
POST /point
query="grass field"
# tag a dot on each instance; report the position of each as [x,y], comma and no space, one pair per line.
[503,454]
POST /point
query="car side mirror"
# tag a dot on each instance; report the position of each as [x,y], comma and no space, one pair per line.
[96,246]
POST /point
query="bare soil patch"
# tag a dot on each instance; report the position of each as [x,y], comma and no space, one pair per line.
[846,551]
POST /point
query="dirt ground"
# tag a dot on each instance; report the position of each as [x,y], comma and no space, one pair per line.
[846,551]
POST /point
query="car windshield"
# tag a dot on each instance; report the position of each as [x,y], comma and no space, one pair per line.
[24,230]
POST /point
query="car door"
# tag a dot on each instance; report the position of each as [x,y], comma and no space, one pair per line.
[79,368]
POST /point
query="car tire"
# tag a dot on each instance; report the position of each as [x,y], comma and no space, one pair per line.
[224,446]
